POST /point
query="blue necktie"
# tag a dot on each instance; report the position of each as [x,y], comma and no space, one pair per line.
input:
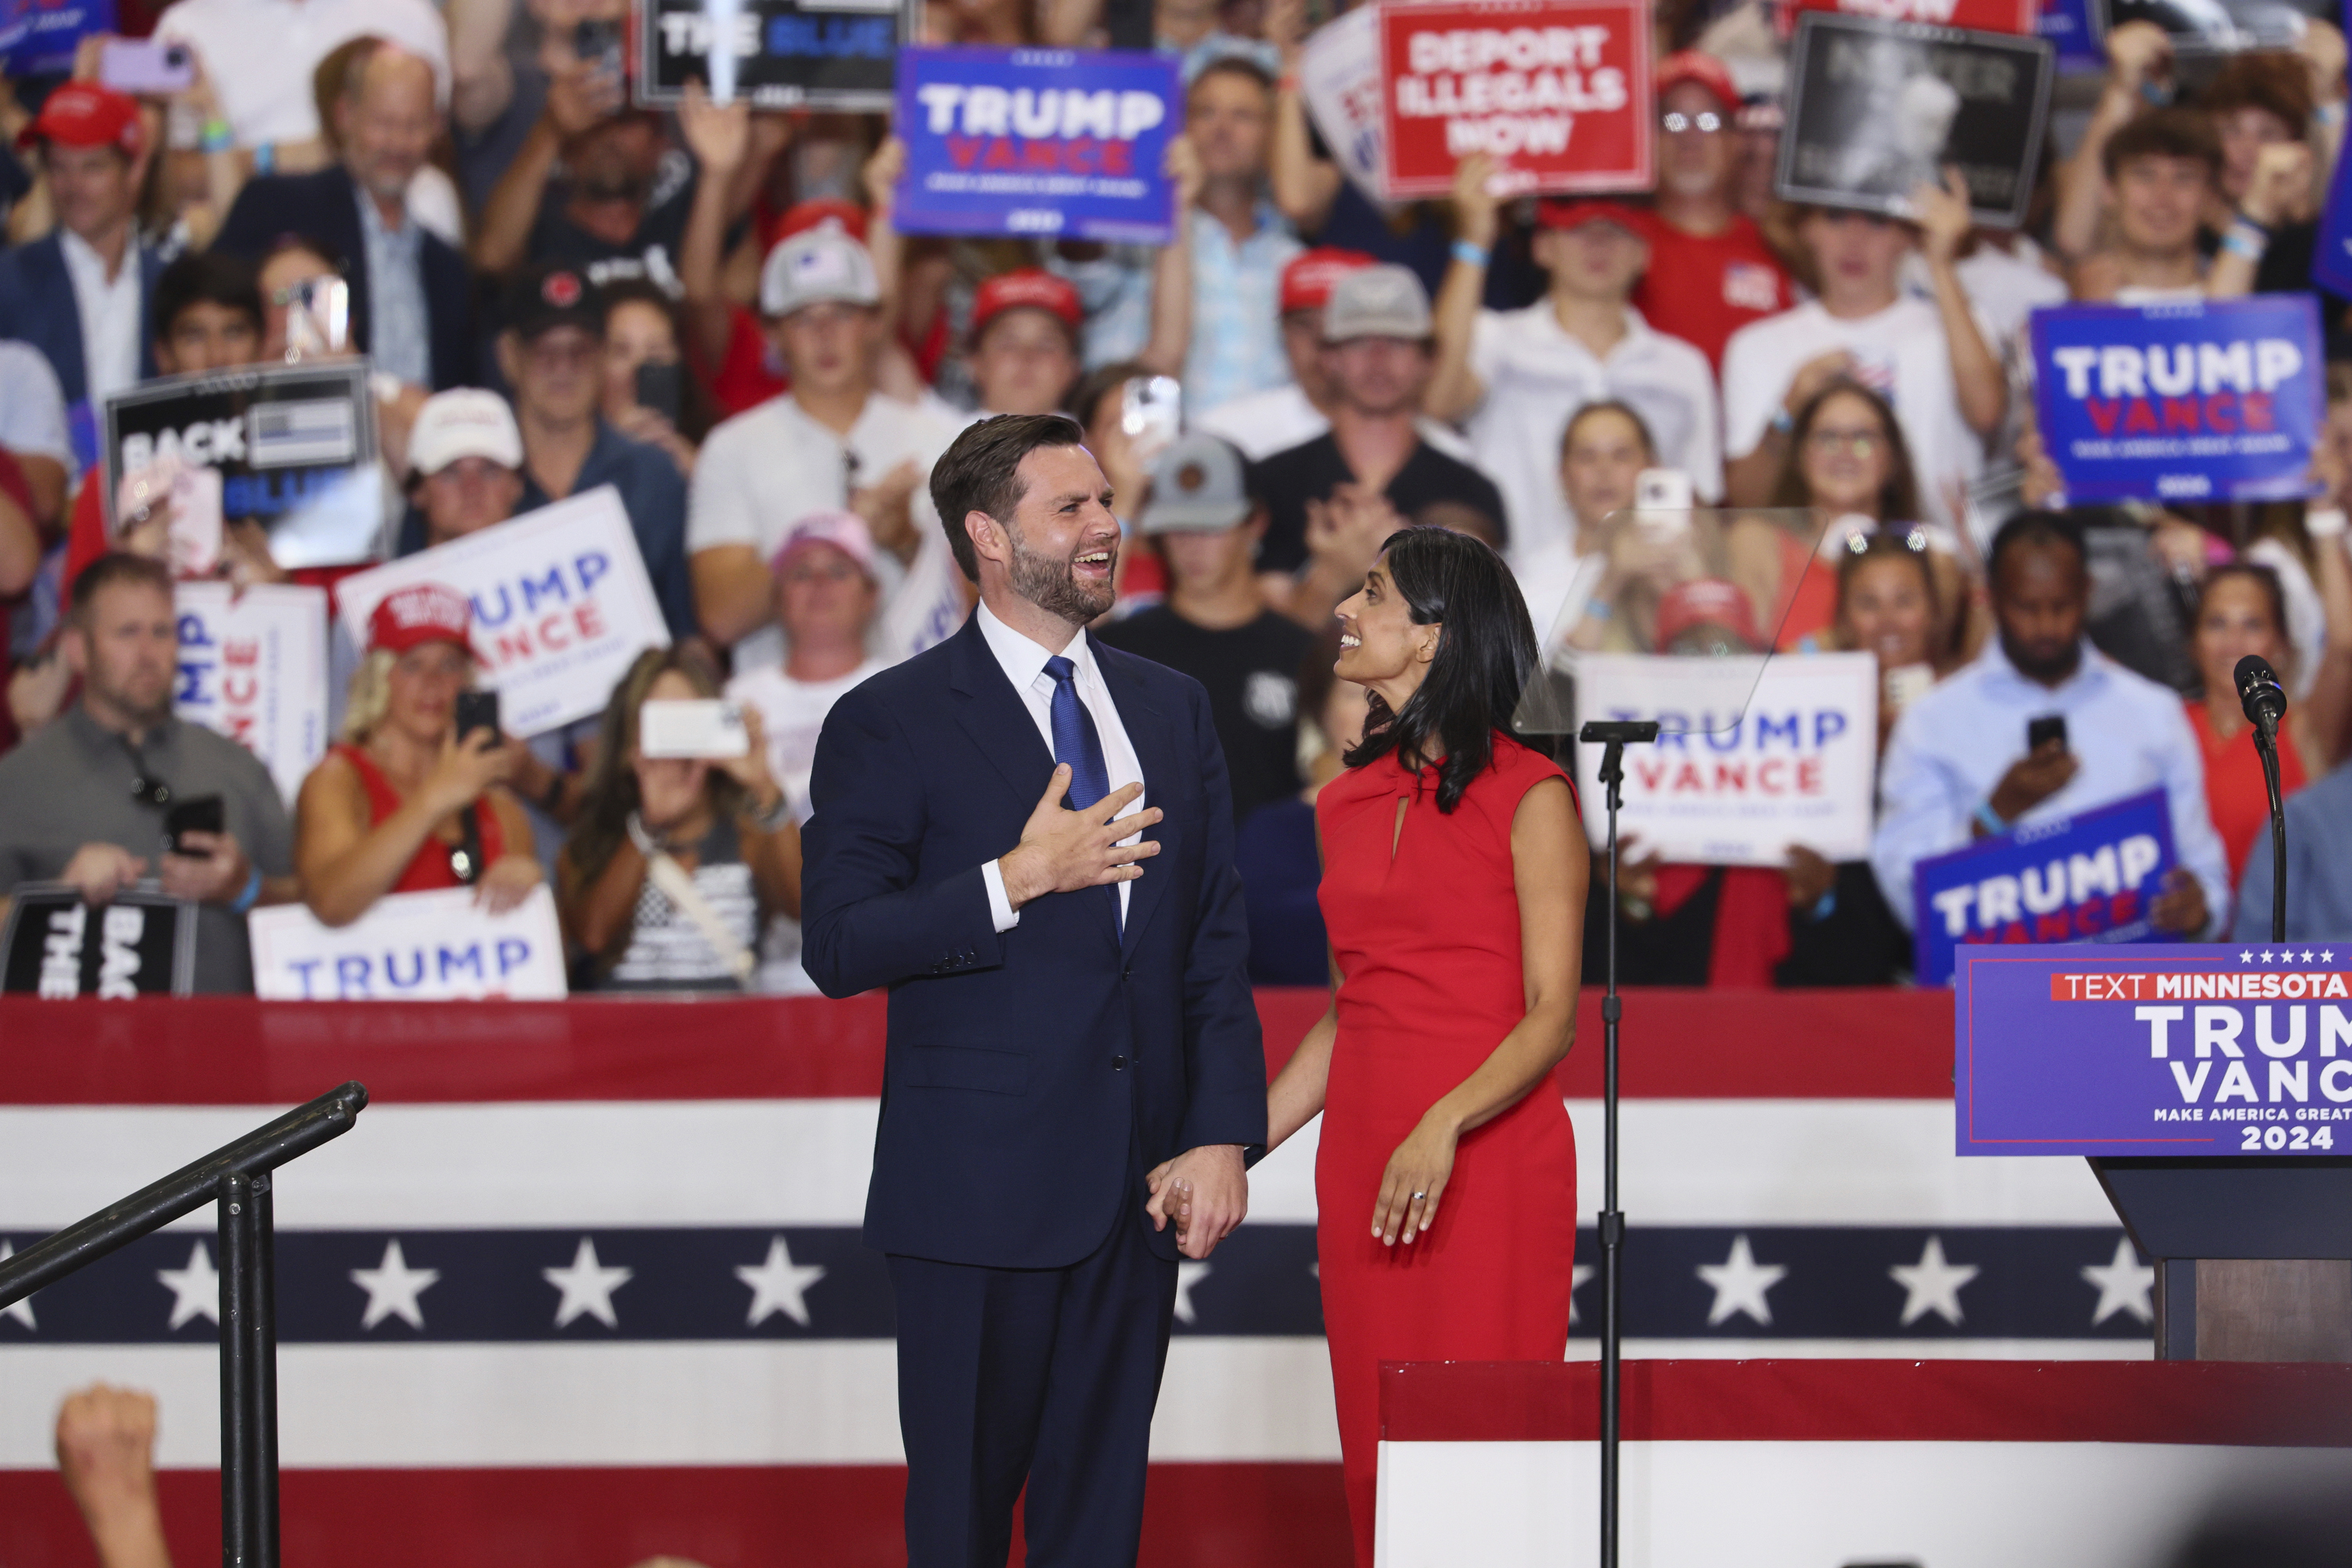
[1077,742]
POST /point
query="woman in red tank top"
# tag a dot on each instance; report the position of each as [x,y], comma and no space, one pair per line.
[404,803]
[2240,610]
[1454,881]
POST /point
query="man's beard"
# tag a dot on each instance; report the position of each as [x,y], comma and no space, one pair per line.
[1053,586]
[123,701]
[2046,671]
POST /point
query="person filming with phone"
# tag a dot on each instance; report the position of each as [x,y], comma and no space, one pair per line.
[118,792]
[687,843]
[2093,732]
[412,799]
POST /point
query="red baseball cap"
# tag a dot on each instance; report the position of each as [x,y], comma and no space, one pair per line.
[1306,282]
[1707,602]
[1699,66]
[84,114]
[802,217]
[1029,288]
[419,614]
[1565,213]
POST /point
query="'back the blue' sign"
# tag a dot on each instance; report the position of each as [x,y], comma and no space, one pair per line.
[2086,878]
[2202,400]
[1037,141]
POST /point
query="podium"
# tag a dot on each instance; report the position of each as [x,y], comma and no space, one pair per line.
[2210,1088]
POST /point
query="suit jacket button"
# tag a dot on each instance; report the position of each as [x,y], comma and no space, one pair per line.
[1119,1064]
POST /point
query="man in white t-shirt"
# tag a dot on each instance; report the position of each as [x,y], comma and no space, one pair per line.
[1518,375]
[826,596]
[1931,360]
[832,443]
[1280,417]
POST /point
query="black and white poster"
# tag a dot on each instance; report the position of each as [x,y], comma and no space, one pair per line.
[294,447]
[57,947]
[1876,108]
[788,53]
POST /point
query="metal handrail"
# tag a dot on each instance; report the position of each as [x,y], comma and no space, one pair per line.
[237,1176]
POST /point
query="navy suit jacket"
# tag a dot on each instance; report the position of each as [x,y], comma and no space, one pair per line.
[323,206]
[36,306]
[1026,1071]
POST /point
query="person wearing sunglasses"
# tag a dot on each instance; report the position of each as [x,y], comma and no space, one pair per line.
[406,804]
[88,799]
[1710,270]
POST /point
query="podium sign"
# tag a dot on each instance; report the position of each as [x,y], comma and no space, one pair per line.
[2172,1050]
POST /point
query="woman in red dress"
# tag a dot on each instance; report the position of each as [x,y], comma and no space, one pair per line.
[1453,879]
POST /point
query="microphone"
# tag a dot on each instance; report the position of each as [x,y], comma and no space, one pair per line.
[2260,694]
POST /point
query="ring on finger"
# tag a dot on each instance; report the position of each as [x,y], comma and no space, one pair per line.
[1418,1196]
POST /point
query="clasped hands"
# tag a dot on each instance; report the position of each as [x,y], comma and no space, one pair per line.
[1204,1192]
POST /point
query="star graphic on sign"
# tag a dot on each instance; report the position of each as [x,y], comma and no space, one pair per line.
[195,1290]
[1740,1283]
[587,1286]
[2307,956]
[1932,1284]
[780,1285]
[2247,956]
[1577,1275]
[393,1287]
[22,1310]
[1188,1274]
[2326,956]
[2125,1283]
[2266,955]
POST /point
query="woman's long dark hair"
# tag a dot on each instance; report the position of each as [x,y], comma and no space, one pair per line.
[611,786]
[1485,654]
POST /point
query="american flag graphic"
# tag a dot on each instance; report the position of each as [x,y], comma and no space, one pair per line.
[585,1283]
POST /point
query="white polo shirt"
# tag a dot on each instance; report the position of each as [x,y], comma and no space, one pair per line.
[1900,353]
[769,467]
[259,54]
[1537,375]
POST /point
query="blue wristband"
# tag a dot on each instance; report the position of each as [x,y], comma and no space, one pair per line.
[250,897]
[1470,255]
[1990,820]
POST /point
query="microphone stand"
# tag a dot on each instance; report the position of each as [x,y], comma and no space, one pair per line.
[2266,748]
[1614,737]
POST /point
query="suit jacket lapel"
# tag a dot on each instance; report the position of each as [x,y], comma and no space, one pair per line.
[1146,732]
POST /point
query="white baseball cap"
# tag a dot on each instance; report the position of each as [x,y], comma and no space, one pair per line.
[465,423]
[814,267]
[1383,302]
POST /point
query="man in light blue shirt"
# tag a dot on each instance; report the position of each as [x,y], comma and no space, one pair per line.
[1240,242]
[1957,767]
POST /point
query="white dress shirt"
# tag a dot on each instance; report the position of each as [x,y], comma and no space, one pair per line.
[1024,663]
[110,311]
[1951,748]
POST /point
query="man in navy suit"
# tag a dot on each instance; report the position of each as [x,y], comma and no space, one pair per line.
[1069,1009]
[411,300]
[80,292]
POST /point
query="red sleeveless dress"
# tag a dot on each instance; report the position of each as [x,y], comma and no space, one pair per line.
[429,868]
[1427,944]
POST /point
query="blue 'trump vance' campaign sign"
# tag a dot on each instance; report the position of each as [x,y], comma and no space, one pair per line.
[2194,400]
[2181,1048]
[1038,142]
[2086,878]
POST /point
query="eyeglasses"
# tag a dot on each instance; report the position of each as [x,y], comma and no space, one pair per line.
[1860,443]
[1706,121]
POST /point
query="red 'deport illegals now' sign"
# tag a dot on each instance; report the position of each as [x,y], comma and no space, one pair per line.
[1559,95]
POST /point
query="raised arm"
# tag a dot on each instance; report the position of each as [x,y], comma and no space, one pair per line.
[345,864]
[1453,387]
[1171,271]
[1977,378]
[2138,54]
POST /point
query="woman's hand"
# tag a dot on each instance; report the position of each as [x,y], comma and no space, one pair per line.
[1415,1183]
[507,883]
[652,426]
[1810,878]
[751,770]
[467,768]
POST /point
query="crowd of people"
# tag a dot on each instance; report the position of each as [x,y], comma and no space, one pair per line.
[710,311]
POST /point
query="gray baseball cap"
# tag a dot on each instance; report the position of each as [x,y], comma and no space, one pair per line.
[1383,302]
[1197,487]
[815,266]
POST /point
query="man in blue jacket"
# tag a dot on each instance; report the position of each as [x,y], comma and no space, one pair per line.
[81,292]
[1069,1008]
